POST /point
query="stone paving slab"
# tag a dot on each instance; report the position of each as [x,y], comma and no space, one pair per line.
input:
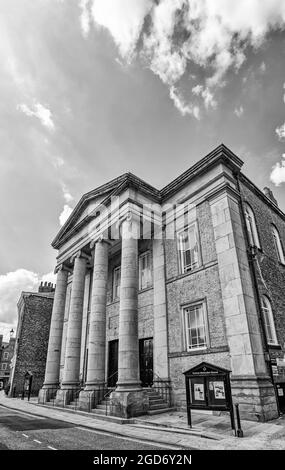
[260,435]
[212,424]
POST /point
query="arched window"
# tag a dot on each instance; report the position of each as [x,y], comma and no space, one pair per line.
[268,320]
[251,226]
[278,245]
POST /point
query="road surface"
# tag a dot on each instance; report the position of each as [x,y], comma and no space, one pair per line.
[22,431]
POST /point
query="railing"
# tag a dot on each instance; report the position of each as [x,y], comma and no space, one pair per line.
[72,396]
[106,396]
[109,391]
[96,396]
[163,388]
[50,396]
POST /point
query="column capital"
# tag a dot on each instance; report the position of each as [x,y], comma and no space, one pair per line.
[129,225]
[62,267]
[80,254]
[100,239]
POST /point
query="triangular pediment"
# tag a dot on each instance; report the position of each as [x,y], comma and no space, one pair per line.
[206,368]
[87,205]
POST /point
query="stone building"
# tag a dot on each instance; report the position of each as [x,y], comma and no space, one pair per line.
[6,354]
[151,283]
[34,317]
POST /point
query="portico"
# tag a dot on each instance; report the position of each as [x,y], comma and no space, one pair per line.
[87,379]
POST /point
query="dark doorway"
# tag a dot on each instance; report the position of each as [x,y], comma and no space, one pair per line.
[146,361]
[113,363]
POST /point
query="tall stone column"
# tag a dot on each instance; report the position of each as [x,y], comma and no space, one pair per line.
[94,387]
[73,340]
[51,381]
[128,399]
[160,341]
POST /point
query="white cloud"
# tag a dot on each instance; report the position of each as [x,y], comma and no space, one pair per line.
[180,104]
[85,18]
[280,131]
[66,194]
[262,67]
[239,111]
[65,214]
[11,286]
[206,94]
[164,60]
[124,20]
[39,111]
[57,161]
[278,172]
[5,329]
[213,35]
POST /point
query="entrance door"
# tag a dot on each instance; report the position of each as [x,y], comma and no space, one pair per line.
[113,363]
[146,362]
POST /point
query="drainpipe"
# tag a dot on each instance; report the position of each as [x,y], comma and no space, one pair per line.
[252,260]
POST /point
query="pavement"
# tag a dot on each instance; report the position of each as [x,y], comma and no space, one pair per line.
[168,430]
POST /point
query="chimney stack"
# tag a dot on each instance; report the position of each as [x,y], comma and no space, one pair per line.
[46,287]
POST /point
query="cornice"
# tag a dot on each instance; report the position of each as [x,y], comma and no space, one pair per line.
[245,180]
[129,180]
[220,154]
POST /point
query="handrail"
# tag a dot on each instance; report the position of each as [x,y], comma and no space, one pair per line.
[164,388]
[109,391]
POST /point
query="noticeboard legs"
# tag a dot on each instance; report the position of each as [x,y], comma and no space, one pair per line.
[189,416]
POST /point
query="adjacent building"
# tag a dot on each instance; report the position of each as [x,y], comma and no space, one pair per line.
[34,316]
[6,354]
[151,283]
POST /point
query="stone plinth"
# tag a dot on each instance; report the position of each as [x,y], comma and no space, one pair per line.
[256,398]
[127,404]
[89,399]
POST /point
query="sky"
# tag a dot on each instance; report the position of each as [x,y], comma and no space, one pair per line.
[90,89]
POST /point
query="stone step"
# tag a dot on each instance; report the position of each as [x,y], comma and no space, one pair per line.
[156,400]
[158,406]
[102,406]
[99,411]
[160,411]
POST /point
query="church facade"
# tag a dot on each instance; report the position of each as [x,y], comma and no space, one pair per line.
[151,283]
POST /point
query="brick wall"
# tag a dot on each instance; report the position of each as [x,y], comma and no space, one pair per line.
[32,341]
[270,272]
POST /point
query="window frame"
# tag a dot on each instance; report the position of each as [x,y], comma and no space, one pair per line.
[115,270]
[2,366]
[251,226]
[145,254]
[186,326]
[5,356]
[278,244]
[182,267]
[269,314]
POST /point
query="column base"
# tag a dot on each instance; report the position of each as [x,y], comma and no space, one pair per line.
[128,403]
[89,398]
[256,398]
[47,393]
[66,395]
